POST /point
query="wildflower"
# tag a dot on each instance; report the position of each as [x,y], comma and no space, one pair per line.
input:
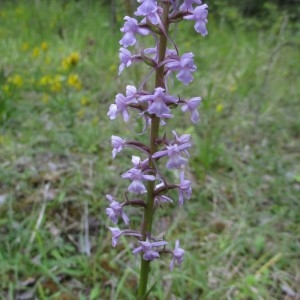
[136,175]
[45,80]
[147,7]
[147,248]
[185,66]
[117,144]
[84,101]
[73,81]
[35,52]
[117,233]
[44,46]
[149,10]
[158,200]
[122,102]
[158,102]
[130,28]
[70,61]
[155,107]
[125,58]
[199,15]
[176,161]
[55,83]
[16,80]
[185,189]
[219,107]
[187,5]
[178,254]
[185,138]
[115,210]
[192,106]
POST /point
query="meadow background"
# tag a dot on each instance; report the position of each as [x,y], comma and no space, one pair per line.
[240,229]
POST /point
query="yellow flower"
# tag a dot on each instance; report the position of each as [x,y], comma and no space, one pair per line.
[35,52]
[70,61]
[74,81]
[45,80]
[44,46]
[6,89]
[16,80]
[219,107]
[56,85]
[84,101]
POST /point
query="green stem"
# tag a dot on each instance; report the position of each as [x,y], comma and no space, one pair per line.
[154,131]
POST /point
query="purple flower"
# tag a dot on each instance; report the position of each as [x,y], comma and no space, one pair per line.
[185,66]
[192,106]
[125,58]
[158,200]
[178,254]
[199,15]
[158,102]
[138,163]
[121,103]
[117,144]
[147,248]
[130,28]
[136,175]
[185,138]
[115,210]
[185,189]
[117,233]
[176,161]
[147,7]
[187,5]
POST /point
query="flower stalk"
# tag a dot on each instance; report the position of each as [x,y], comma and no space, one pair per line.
[155,108]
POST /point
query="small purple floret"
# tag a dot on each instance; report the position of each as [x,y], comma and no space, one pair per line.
[158,102]
[125,59]
[147,248]
[136,175]
[185,189]
[130,28]
[192,106]
[187,5]
[115,210]
[147,7]
[178,254]
[199,15]
[117,144]
[122,102]
[185,66]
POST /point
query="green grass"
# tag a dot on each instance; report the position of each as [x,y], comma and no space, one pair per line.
[240,230]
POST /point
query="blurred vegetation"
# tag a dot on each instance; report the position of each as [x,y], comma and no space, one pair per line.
[240,229]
